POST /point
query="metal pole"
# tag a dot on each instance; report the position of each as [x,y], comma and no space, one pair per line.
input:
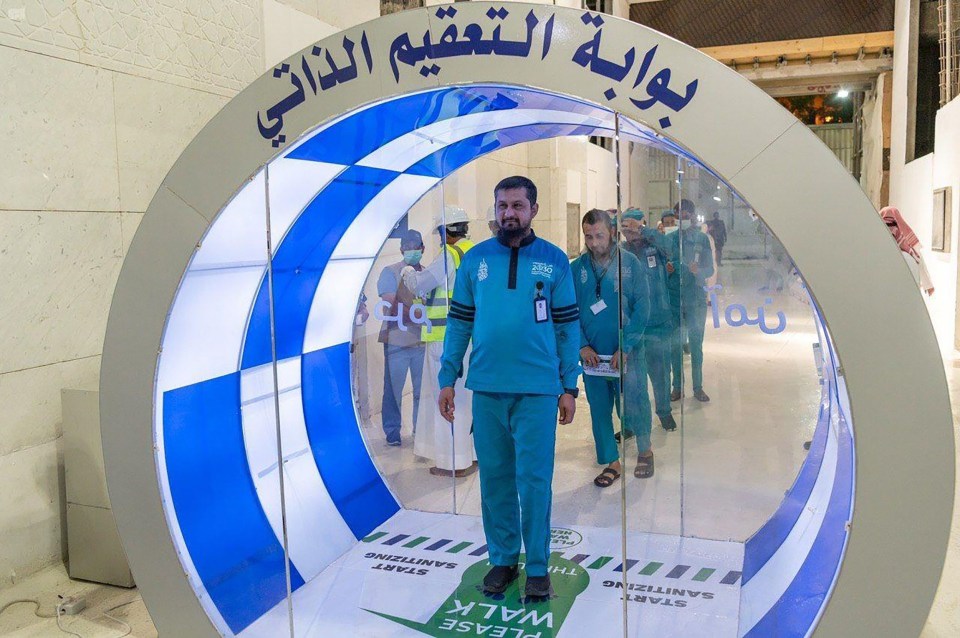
[276,403]
[623,437]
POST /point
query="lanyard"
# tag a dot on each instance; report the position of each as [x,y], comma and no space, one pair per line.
[599,277]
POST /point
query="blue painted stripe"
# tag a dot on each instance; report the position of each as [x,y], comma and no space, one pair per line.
[480,551]
[370,129]
[731,578]
[352,480]
[301,259]
[679,571]
[396,539]
[228,536]
[764,543]
[458,154]
[440,543]
[795,612]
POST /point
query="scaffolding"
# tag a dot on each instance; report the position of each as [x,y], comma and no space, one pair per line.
[948,12]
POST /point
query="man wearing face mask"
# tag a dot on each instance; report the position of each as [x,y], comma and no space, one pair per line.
[451,449]
[402,347]
[691,264]
[650,247]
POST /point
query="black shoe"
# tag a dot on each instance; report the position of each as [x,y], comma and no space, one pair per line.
[630,435]
[668,423]
[700,395]
[499,578]
[538,587]
[676,395]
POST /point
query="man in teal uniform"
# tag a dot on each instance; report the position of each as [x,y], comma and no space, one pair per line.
[691,264]
[611,296]
[514,299]
[652,249]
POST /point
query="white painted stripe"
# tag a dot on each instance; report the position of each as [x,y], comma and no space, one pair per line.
[317,534]
[208,320]
[367,232]
[405,151]
[334,307]
[772,580]
[206,329]
[293,184]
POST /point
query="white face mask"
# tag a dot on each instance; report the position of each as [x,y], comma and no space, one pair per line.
[685,223]
[670,229]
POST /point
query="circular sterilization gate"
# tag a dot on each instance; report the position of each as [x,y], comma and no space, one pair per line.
[250,500]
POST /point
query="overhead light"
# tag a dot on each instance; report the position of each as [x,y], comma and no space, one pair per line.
[843,93]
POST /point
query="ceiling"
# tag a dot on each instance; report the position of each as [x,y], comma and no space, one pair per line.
[706,23]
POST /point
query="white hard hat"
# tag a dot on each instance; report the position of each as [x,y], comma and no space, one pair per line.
[450,215]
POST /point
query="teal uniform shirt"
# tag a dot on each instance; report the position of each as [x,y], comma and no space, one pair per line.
[622,287]
[689,300]
[601,330]
[685,287]
[514,350]
[652,253]
[519,308]
[654,250]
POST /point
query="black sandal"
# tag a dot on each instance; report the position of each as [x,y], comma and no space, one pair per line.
[607,477]
[644,467]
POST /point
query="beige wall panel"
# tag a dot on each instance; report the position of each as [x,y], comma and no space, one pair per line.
[347,14]
[58,136]
[155,122]
[286,29]
[31,526]
[61,269]
[30,402]
[129,222]
[309,7]
[216,44]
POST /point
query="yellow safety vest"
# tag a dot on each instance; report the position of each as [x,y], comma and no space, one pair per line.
[438,300]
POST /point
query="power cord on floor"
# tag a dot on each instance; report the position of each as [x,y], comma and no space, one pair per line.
[60,626]
[27,601]
[129,629]
[126,628]
[36,612]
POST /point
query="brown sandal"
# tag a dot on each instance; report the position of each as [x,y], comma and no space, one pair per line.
[607,477]
[644,467]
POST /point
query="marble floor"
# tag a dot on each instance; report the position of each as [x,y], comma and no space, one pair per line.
[718,477]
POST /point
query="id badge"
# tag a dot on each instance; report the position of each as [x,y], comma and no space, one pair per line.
[599,307]
[540,309]
[651,261]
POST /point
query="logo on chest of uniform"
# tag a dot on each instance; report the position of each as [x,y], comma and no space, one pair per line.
[583,275]
[482,271]
[542,269]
